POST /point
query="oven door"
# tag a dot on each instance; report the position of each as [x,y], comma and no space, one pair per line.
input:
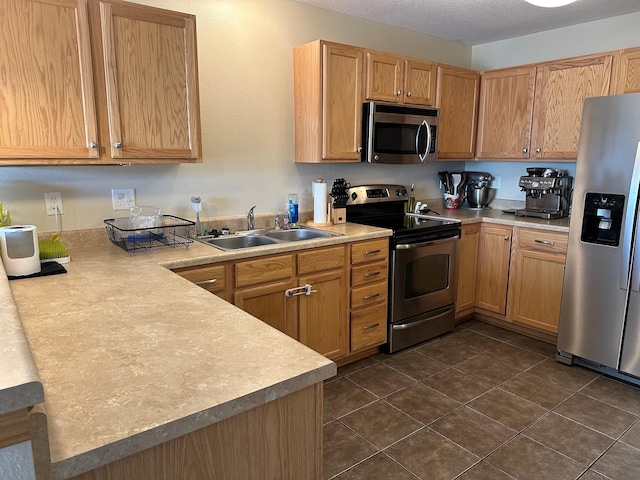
[424,277]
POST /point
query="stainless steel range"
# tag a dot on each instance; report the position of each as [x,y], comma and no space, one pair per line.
[423,268]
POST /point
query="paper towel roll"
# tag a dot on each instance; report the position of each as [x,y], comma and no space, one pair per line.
[319,201]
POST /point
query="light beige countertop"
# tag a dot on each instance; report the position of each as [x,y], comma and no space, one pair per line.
[131,355]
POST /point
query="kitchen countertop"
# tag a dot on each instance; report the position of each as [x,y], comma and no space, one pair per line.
[131,355]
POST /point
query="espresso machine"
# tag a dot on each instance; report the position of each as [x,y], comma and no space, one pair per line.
[477,191]
[548,193]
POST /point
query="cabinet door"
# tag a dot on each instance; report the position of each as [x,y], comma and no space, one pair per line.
[384,77]
[342,102]
[536,289]
[269,304]
[151,80]
[47,104]
[323,315]
[627,71]
[493,269]
[560,89]
[457,99]
[419,82]
[506,108]
[467,269]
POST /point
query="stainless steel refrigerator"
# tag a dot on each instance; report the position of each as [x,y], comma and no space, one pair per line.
[600,313]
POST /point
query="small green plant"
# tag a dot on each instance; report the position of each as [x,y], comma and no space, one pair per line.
[5,217]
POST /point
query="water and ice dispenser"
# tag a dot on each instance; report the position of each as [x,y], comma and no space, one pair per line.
[602,219]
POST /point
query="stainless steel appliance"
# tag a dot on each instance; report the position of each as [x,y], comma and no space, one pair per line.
[600,312]
[423,264]
[398,134]
[548,193]
[478,193]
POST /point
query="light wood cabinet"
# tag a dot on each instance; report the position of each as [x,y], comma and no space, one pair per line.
[395,79]
[328,97]
[212,278]
[536,277]
[505,112]
[492,273]
[87,83]
[469,241]
[457,98]
[151,82]
[47,91]
[369,293]
[627,71]
[535,111]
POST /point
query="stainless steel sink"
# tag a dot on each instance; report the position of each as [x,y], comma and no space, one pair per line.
[233,242]
[296,234]
[258,238]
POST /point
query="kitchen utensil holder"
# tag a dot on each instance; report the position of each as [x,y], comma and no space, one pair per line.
[174,231]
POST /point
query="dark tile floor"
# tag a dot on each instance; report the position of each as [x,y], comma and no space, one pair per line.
[479,403]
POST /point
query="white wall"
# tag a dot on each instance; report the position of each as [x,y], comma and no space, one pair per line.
[245,52]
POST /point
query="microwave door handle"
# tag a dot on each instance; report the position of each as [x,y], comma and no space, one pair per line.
[423,156]
[629,244]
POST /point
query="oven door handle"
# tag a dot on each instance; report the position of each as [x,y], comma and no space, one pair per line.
[409,246]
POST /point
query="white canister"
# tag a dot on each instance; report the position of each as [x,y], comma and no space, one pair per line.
[20,252]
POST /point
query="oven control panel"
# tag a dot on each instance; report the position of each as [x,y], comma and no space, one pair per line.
[377,193]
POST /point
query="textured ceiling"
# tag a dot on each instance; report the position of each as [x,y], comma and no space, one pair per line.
[477,21]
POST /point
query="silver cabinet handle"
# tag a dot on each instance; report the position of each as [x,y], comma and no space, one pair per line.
[117,144]
[372,252]
[538,150]
[369,297]
[371,274]
[207,282]
[93,144]
[408,94]
[399,92]
[506,239]
[369,327]
[545,242]
[304,290]
[525,150]
[359,149]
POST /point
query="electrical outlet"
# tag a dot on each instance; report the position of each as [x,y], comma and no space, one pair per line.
[53,201]
[496,182]
[123,198]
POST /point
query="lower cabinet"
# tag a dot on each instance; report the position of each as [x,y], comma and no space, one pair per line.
[465,299]
[332,299]
[535,278]
[492,275]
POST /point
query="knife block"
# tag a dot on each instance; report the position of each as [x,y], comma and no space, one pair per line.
[338,215]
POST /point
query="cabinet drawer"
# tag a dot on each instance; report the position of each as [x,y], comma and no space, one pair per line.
[370,273]
[542,240]
[369,295]
[321,259]
[369,327]
[369,251]
[211,278]
[261,270]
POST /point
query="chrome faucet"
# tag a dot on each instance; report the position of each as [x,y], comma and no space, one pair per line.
[277,225]
[250,219]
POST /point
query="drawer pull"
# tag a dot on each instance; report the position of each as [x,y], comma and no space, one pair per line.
[372,252]
[371,274]
[545,242]
[369,327]
[207,282]
[369,297]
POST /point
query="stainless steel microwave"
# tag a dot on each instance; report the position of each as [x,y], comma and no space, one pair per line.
[399,134]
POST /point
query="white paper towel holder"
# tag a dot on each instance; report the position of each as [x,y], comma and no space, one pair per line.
[327,212]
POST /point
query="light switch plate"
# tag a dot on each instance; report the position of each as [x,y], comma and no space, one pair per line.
[123,198]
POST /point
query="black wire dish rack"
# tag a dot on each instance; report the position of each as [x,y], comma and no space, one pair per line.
[171,232]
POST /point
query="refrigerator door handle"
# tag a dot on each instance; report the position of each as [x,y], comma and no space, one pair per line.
[630,229]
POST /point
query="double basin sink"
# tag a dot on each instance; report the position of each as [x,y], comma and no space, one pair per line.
[258,238]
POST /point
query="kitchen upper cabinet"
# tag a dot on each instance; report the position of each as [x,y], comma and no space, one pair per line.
[395,79]
[457,98]
[328,97]
[560,89]
[492,274]
[469,241]
[627,71]
[151,82]
[535,111]
[97,82]
[47,104]
[505,111]
[536,277]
